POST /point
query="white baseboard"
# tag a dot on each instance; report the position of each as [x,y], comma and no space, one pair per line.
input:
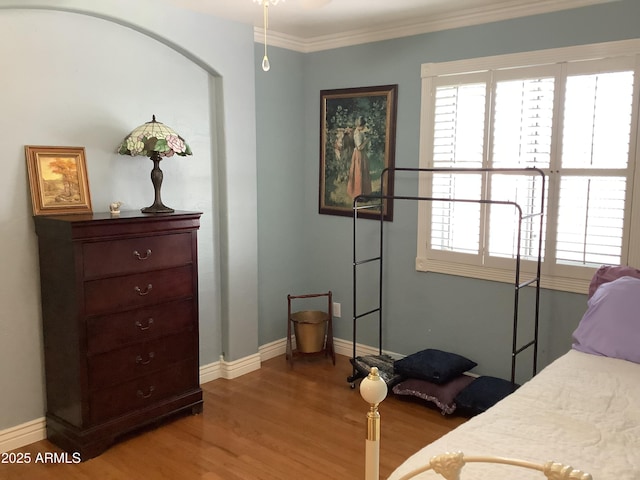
[345,347]
[273,349]
[24,434]
[240,367]
[35,430]
[210,372]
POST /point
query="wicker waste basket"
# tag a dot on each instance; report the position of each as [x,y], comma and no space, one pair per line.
[310,328]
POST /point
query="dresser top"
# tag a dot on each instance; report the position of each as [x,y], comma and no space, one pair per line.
[98,224]
[124,214]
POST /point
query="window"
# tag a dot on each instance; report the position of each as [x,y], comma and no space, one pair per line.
[568,112]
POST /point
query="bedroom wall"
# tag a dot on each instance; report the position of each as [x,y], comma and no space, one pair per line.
[85,74]
[471,317]
[283,247]
[262,210]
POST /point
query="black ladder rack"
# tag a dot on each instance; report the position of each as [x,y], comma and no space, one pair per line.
[518,285]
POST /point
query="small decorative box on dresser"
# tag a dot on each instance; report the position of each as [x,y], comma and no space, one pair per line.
[120,319]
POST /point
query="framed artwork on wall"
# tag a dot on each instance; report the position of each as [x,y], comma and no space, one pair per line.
[58,180]
[357,142]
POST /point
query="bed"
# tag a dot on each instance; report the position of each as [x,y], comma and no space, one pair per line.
[582,410]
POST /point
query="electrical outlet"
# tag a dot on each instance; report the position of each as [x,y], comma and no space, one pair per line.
[336,310]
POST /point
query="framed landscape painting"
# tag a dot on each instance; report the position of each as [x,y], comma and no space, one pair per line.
[357,142]
[58,180]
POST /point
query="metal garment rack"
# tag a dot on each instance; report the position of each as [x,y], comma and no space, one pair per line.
[518,285]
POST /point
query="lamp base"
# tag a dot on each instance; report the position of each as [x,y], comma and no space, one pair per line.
[157,208]
[156,179]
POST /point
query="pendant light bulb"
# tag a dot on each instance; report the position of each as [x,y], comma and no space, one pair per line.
[266,66]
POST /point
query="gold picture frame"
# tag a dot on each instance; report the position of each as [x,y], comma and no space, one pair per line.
[58,180]
[343,175]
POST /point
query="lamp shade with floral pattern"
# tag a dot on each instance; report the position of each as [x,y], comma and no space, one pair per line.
[154,140]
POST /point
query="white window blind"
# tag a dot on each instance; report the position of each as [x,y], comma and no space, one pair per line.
[458,142]
[591,220]
[576,121]
[594,163]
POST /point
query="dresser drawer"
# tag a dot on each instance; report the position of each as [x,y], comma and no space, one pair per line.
[118,293]
[138,254]
[119,366]
[110,332]
[143,392]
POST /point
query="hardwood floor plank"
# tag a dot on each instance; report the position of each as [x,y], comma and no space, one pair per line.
[276,423]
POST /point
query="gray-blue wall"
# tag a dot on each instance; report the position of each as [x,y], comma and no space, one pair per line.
[302,251]
[78,73]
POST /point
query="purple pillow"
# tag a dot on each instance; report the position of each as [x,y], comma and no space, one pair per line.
[608,273]
[611,324]
[441,395]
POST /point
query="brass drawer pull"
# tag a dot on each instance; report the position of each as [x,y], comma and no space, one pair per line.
[144,327]
[141,293]
[140,257]
[150,356]
[141,394]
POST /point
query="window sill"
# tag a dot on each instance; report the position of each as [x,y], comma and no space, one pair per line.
[550,282]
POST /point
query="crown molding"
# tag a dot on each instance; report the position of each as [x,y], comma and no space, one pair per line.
[469,17]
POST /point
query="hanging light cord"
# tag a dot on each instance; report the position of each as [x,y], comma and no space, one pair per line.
[265,60]
[265,9]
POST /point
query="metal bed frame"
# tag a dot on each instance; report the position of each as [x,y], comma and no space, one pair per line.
[389,173]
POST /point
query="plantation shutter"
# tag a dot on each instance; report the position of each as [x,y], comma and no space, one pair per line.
[594,170]
[458,141]
[522,133]
[574,120]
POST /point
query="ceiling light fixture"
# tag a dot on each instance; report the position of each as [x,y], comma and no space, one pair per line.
[265,8]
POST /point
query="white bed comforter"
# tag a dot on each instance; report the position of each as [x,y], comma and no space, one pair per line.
[582,410]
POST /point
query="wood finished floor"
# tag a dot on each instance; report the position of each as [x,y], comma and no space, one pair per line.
[276,423]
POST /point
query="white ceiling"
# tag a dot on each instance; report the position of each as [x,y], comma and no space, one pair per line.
[309,25]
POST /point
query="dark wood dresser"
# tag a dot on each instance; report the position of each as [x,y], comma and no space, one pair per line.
[120,320]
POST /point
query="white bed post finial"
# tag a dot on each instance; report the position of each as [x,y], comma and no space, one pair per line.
[373,390]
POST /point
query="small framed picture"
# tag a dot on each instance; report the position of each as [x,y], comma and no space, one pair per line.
[357,142]
[58,180]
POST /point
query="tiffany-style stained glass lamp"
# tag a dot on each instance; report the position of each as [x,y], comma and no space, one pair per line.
[154,140]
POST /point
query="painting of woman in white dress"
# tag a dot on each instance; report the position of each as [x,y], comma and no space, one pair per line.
[359,182]
[357,144]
